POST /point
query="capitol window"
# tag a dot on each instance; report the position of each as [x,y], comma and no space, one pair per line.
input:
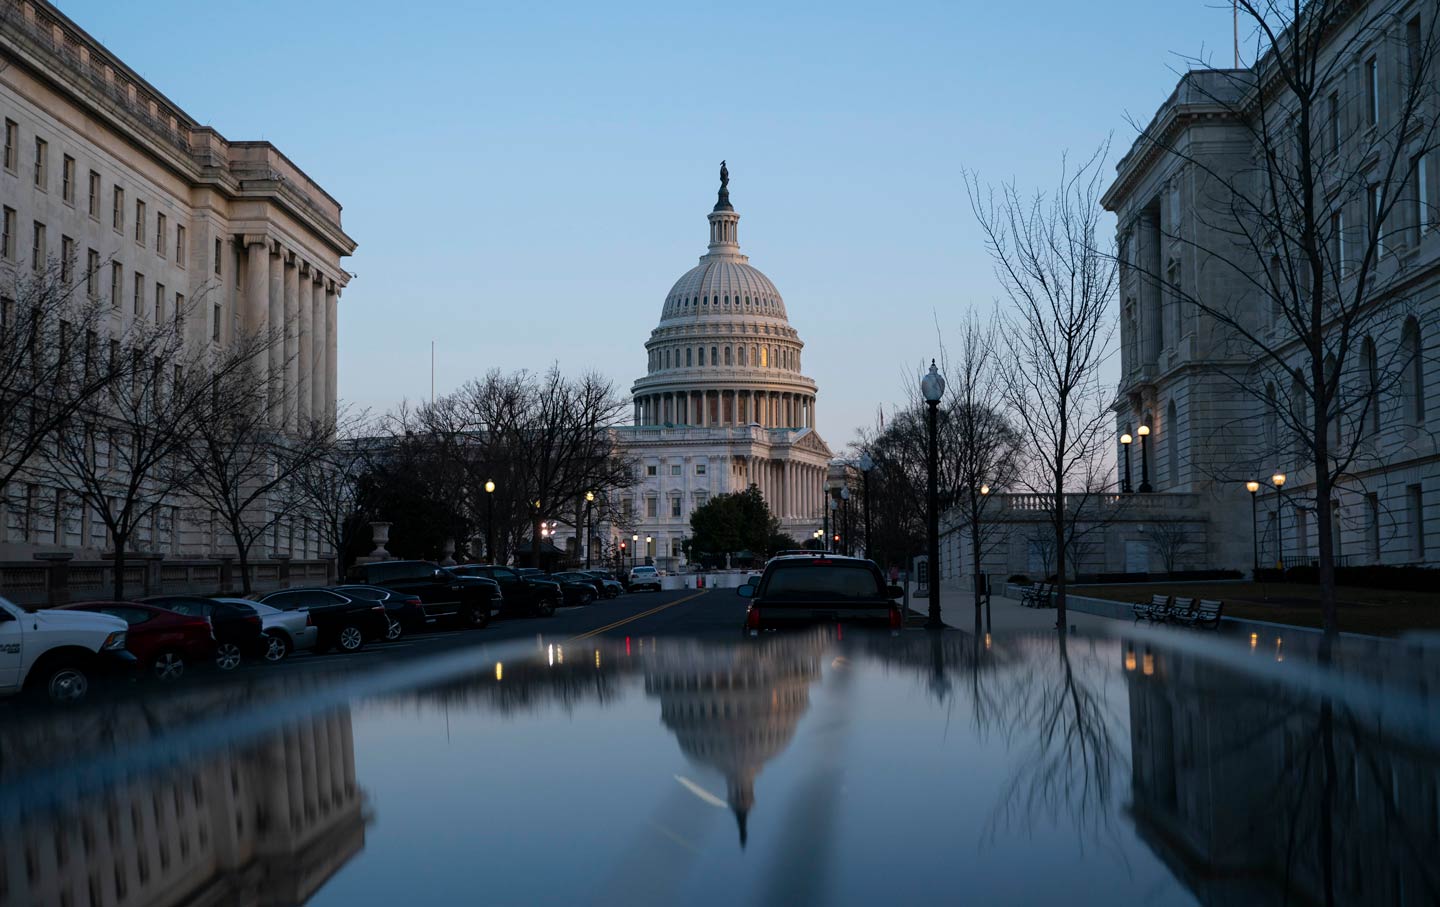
[714,355]
[689,356]
[763,357]
[675,506]
[699,469]
[702,355]
[727,355]
[675,469]
[651,469]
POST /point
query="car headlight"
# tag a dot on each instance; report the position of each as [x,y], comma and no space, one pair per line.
[114,641]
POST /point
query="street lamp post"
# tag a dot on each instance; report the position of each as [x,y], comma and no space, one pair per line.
[932,388]
[1144,433]
[634,543]
[490,520]
[975,541]
[829,506]
[1253,487]
[589,533]
[845,534]
[1125,442]
[1278,480]
[649,539]
[866,463]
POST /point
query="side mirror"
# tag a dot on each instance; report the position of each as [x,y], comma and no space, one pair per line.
[745,591]
[894,592]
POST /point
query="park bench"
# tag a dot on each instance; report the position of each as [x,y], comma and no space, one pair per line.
[1037,596]
[1157,610]
[1205,614]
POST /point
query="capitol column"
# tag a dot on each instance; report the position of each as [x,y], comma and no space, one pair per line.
[317,378]
[332,342]
[305,360]
[255,318]
[275,336]
[291,351]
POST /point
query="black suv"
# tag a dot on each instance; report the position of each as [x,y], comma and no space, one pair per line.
[534,595]
[473,600]
[341,622]
[807,589]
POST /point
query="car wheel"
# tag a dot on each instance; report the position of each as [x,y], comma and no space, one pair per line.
[227,656]
[545,609]
[349,639]
[277,648]
[61,682]
[587,598]
[476,618]
[168,667]
[393,630]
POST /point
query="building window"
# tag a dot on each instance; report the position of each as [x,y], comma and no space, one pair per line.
[215,327]
[700,498]
[115,271]
[1415,498]
[160,229]
[764,357]
[674,507]
[699,469]
[727,355]
[179,308]
[180,245]
[37,248]
[1334,122]
[1337,241]
[219,250]
[714,355]
[93,203]
[12,138]
[139,294]
[1373,224]
[159,302]
[117,209]
[702,355]
[139,221]
[1370,362]
[1172,444]
[67,261]
[675,469]
[651,469]
[1422,195]
[7,235]
[1412,380]
[67,179]
[1372,89]
[1414,51]
[42,153]
[651,508]
[689,356]
[92,266]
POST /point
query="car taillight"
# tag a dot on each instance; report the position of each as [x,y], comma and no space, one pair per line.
[896,621]
[752,618]
[413,601]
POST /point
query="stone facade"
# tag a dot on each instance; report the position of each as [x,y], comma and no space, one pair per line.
[723,405]
[100,166]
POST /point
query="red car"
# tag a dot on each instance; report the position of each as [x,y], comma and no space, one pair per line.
[162,641]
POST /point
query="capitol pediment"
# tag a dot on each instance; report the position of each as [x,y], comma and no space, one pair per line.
[810,442]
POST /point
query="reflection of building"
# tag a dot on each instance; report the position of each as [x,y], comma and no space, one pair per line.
[737,709]
[266,824]
[1228,780]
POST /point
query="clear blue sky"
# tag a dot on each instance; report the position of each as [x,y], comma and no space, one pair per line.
[527,180]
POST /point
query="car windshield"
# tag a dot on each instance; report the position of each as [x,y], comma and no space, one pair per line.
[814,579]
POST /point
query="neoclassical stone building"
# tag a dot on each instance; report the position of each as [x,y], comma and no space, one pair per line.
[170,218]
[723,404]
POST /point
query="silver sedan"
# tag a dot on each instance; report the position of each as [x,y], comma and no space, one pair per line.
[289,631]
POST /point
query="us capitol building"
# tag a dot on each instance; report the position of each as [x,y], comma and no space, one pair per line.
[723,403]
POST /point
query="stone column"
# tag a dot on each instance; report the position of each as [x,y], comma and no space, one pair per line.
[255,317]
[275,336]
[305,387]
[332,338]
[291,388]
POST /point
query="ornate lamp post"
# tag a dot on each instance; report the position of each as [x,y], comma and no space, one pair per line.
[932,388]
[634,543]
[845,532]
[1253,487]
[1125,442]
[589,532]
[1144,433]
[866,463]
[1278,480]
[830,505]
[984,495]
[490,521]
[649,540]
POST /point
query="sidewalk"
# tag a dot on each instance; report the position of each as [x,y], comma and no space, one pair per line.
[957,609]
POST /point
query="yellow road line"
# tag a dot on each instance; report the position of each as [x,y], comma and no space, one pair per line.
[622,622]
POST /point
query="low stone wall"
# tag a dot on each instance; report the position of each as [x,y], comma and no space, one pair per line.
[714,580]
[56,579]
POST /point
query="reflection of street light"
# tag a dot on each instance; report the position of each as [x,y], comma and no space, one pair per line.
[1278,480]
[1125,441]
[490,520]
[1144,433]
[932,388]
[589,532]
[1253,487]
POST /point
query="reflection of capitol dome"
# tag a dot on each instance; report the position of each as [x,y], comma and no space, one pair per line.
[736,716]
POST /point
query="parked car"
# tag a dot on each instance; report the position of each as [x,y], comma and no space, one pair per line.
[341,622]
[577,588]
[802,590]
[610,587]
[471,600]
[644,578]
[529,595]
[57,655]
[162,641]
[288,631]
[237,628]
[404,609]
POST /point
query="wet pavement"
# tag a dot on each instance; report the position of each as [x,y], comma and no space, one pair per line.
[652,756]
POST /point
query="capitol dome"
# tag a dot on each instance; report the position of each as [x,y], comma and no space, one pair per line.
[724,352]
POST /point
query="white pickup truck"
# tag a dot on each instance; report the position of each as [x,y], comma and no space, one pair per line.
[58,654]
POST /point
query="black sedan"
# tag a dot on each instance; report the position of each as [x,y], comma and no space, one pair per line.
[405,609]
[345,623]
[610,587]
[577,588]
[238,631]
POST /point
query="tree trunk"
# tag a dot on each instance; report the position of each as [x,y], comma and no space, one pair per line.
[117,584]
[243,557]
[975,552]
[1324,493]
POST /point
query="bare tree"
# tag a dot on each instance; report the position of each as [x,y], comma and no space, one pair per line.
[1305,222]
[1170,540]
[328,486]
[1058,333]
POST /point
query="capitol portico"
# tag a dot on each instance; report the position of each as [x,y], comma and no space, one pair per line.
[723,404]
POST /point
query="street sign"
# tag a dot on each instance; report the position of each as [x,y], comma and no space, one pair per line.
[922,576]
